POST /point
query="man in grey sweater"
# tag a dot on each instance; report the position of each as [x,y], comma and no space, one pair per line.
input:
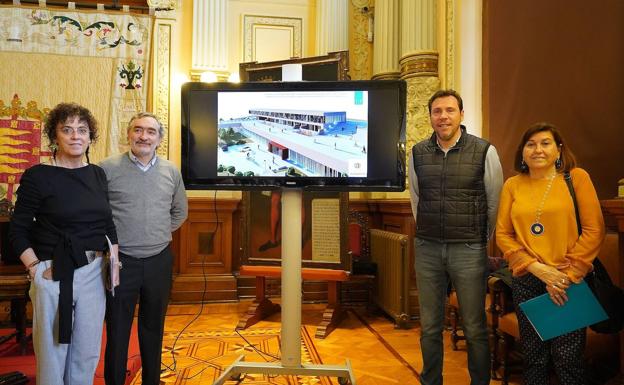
[149,202]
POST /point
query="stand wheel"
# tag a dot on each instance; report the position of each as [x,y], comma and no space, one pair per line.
[343,380]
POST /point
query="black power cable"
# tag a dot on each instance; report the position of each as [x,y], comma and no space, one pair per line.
[173,366]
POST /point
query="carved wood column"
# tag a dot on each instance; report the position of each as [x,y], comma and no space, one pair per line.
[419,68]
[332,26]
[419,64]
[386,45]
[210,48]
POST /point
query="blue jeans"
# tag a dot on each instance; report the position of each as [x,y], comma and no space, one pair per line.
[466,266]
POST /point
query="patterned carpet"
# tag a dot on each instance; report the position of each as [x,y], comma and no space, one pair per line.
[200,357]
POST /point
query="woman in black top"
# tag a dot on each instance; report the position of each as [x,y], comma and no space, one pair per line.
[59,229]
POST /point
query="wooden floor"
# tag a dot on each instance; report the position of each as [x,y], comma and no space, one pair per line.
[379,353]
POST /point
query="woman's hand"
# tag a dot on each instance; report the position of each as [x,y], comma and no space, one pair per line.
[30,261]
[558,296]
[47,273]
[556,282]
[32,270]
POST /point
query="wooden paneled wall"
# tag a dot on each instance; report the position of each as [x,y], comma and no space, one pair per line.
[207,251]
[203,249]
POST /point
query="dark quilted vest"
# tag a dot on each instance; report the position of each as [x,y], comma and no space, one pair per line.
[452,204]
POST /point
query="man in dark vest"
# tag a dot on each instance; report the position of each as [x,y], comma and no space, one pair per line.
[455,183]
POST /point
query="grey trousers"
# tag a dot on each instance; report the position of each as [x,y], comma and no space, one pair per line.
[75,363]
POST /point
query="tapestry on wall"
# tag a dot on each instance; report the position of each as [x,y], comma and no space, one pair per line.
[96,59]
[20,143]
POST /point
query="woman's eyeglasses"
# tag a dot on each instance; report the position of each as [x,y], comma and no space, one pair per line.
[81,131]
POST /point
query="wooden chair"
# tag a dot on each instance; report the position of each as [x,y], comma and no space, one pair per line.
[457,333]
[494,263]
[453,315]
[505,331]
[14,286]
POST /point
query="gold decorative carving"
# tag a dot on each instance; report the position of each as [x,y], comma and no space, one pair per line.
[419,90]
[419,64]
[420,71]
[166,4]
[359,4]
[387,75]
[360,50]
[162,77]
[195,75]
[450,43]
[251,22]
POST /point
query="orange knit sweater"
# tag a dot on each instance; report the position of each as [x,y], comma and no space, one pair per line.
[559,245]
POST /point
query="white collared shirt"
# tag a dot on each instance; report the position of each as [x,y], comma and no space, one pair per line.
[143,167]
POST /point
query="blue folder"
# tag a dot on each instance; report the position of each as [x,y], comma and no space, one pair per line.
[550,320]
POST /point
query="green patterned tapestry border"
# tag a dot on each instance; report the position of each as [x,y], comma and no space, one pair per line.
[85,33]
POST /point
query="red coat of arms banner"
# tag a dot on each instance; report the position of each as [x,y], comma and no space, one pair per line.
[20,142]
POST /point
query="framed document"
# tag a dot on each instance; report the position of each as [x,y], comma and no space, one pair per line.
[323,229]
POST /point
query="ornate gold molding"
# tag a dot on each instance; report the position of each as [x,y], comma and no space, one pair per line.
[164,4]
[195,74]
[392,75]
[360,49]
[420,71]
[419,64]
[419,90]
[253,22]
[162,80]
[359,4]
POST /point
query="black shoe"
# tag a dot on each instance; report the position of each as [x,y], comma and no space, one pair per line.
[268,245]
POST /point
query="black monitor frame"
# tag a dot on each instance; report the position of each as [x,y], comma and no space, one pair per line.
[387,101]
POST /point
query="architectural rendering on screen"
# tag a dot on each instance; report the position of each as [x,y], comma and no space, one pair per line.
[294,133]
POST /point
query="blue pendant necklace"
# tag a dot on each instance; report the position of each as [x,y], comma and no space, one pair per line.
[537,228]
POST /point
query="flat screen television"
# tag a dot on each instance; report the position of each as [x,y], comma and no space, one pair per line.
[331,136]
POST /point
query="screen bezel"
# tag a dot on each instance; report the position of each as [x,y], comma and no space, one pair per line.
[393,181]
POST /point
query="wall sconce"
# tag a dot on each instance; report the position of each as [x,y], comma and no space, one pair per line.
[177,79]
[208,77]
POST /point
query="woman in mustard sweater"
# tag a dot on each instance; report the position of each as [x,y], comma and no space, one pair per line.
[537,232]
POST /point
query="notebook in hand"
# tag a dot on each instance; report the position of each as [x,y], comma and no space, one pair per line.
[113,266]
[550,320]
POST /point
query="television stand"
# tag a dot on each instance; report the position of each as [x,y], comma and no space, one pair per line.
[291,309]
